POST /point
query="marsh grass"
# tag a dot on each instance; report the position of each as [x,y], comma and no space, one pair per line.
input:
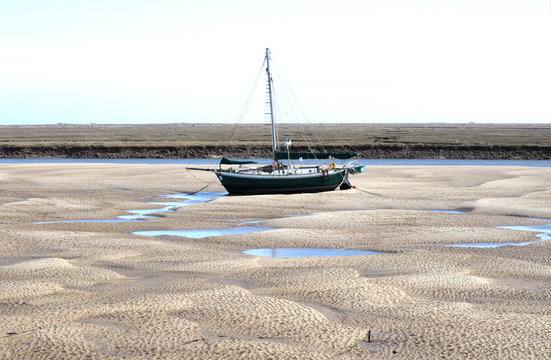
[354,135]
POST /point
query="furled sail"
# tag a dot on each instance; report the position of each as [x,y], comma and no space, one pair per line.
[227,161]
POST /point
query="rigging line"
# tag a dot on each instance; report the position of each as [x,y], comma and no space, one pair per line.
[285,114]
[336,134]
[247,103]
[292,108]
[307,120]
[296,100]
[347,143]
[310,147]
[287,101]
[276,111]
[265,135]
[293,102]
[246,107]
[306,117]
[262,137]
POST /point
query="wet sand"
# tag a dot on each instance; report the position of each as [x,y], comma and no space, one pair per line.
[96,290]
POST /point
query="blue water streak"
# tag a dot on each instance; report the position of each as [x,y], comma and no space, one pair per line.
[307,252]
[146,214]
[544,234]
[198,234]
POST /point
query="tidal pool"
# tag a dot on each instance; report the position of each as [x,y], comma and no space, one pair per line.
[544,234]
[146,214]
[307,252]
[170,206]
[198,234]
[546,229]
[196,198]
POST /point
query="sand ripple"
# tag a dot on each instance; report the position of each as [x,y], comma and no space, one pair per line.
[58,270]
[95,290]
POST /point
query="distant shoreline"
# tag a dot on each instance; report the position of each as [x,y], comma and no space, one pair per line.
[207,151]
[186,141]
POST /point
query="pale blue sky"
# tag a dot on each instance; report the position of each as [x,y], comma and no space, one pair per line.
[167,61]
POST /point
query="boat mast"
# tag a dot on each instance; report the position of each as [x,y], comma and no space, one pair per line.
[274,140]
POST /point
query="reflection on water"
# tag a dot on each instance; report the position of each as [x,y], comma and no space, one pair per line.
[307,252]
[198,234]
[146,214]
[544,234]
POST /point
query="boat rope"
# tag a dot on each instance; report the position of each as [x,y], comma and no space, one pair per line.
[312,149]
[347,143]
[367,192]
[283,95]
[209,183]
[343,178]
[289,89]
[201,189]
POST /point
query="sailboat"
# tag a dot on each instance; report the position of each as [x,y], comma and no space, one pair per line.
[280,177]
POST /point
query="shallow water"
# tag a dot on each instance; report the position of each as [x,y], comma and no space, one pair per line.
[146,214]
[534,228]
[544,234]
[307,252]
[198,234]
[539,219]
[196,198]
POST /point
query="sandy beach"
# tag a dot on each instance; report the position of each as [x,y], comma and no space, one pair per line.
[94,289]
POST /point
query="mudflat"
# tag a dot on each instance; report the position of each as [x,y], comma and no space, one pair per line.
[97,290]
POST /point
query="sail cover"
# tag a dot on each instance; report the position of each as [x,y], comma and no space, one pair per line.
[282,155]
[227,161]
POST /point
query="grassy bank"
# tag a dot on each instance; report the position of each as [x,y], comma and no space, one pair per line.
[455,141]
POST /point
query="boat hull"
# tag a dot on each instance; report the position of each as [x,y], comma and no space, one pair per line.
[254,184]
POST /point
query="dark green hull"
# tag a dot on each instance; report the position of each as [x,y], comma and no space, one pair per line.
[252,184]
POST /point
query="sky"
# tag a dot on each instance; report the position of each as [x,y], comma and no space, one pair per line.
[347,61]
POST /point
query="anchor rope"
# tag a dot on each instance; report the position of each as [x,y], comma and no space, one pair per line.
[209,183]
[368,192]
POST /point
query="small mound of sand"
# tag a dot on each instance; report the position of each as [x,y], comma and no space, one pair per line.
[47,264]
[59,270]
[27,289]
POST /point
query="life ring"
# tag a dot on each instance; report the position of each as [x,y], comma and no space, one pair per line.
[333,166]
